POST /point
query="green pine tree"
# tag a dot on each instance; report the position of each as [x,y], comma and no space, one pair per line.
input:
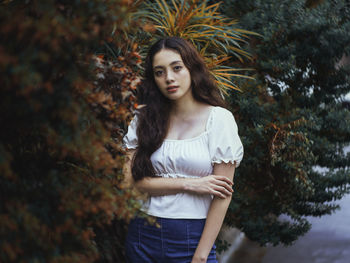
[293,119]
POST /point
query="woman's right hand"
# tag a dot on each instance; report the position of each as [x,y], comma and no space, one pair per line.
[217,185]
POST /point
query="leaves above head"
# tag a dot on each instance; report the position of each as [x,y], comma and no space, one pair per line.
[216,37]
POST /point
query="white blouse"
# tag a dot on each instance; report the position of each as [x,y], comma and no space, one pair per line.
[194,157]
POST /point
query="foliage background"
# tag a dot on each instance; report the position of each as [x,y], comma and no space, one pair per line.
[63,114]
[216,37]
[69,71]
[294,118]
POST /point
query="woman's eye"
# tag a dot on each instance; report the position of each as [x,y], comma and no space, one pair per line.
[158,73]
[177,68]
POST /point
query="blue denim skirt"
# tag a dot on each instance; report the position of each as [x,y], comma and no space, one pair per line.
[174,241]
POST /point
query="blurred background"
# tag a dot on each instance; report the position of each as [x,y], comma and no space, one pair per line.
[70,74]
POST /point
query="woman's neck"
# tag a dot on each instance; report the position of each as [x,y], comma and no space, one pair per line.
[185,106]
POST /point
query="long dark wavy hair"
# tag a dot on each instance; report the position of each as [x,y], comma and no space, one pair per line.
[153,119]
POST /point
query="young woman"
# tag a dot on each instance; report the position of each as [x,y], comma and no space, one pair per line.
[184,148]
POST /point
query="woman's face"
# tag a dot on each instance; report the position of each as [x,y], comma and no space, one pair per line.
[171,75]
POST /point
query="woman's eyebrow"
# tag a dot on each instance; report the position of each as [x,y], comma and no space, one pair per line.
[172,63]
[175,62]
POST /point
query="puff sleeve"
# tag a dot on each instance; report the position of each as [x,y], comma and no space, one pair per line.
[224,142]
[130,138]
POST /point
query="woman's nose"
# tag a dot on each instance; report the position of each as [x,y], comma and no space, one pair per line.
[169,77]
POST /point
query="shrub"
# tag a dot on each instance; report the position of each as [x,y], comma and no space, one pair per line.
[63,111]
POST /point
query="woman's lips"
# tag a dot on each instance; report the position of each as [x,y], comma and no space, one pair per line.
[172,89]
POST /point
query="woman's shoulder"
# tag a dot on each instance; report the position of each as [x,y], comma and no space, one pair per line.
[222,113]
[219,117]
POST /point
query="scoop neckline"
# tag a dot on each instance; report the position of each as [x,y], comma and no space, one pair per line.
[199,135]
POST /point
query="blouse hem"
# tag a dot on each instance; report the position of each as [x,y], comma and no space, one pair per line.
[174,217]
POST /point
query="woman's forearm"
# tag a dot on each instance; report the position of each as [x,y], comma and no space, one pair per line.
[212,227]
[215,217]
[161,186]
[217,185]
